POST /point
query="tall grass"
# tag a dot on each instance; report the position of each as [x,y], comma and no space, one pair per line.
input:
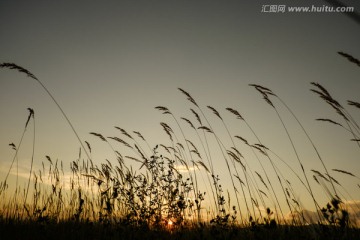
[175,188]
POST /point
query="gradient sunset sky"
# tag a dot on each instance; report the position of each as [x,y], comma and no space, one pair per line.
[109,63]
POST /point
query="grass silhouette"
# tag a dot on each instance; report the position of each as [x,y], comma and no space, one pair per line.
[175,191]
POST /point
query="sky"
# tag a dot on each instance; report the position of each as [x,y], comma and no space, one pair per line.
[110,63]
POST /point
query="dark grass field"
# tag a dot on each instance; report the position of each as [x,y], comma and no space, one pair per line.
[76,230]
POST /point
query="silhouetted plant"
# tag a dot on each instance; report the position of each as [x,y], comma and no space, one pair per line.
[334,214]
[159,196]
